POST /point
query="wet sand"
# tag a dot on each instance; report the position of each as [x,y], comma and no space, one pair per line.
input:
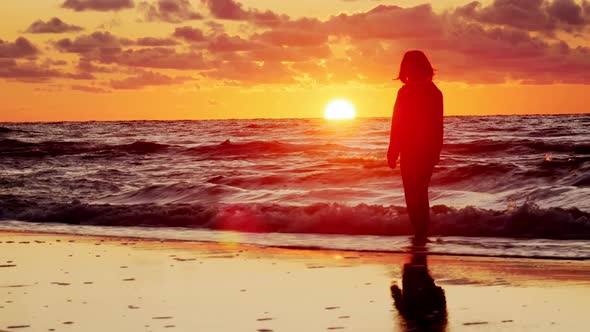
[77,283]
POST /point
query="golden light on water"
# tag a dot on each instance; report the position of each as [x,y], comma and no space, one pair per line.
[340,109]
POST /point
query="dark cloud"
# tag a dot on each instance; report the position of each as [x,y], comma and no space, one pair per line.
[226,9]
[145,79]
[226,43]
[232,10]
[20,48]
[106,48]
[54,25]
[173,11]
[25,72]
[33,72]
[189,34]
[568,12]
[530,15]
[102,42]
[99,5]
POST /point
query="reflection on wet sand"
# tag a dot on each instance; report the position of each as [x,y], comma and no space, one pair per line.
[421,303]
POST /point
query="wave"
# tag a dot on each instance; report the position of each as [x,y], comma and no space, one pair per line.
[5,130]
[526,221]
[17,148]
[171,193]
[448,174]
[256,148]
[518,146]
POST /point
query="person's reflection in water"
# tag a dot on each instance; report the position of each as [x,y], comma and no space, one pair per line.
[421,304]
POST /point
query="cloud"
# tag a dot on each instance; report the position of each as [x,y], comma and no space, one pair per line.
[225,43]
[463,50]
[33,72]
[87,66]
[54,25]
[102,42]
[505,40]
[106,48]
[172,11]
[25,72]
[189,34]
[20,48]
[531,15]
[232,10]
[388,23]
[226,9]
[98,5]
[218,42]
[145,79]
[158,57]
[247,72]
[152,41]
[569,12]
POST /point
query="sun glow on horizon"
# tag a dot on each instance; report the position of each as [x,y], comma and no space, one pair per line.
[340,109]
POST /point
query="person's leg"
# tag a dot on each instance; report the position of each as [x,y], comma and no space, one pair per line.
[423,202]
[416,178]
[411,187]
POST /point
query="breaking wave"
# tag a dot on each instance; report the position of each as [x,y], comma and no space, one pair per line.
[526,221]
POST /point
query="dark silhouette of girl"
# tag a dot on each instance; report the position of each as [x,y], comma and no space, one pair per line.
[416,136]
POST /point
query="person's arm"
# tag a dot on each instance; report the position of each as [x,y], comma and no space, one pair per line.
[395,134]
[439,116]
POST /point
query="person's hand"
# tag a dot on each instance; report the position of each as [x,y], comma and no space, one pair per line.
[392,160]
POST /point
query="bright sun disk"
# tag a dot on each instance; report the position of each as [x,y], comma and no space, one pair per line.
[340,109]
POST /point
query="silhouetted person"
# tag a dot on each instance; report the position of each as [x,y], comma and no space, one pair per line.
[421,304]
[416,136]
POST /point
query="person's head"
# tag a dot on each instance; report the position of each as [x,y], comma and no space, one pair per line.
[415,67]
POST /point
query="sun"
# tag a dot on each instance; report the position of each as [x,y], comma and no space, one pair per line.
[340,109]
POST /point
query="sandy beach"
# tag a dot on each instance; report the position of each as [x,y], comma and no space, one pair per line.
[78,283]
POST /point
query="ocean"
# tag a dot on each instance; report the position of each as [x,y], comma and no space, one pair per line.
[515,186]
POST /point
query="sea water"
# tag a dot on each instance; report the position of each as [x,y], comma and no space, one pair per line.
[302,183]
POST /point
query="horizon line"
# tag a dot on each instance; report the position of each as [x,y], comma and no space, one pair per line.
[285,118]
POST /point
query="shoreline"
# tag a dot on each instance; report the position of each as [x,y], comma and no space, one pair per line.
[97,283]
[402,243]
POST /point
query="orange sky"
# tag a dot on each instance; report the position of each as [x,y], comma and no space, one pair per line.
[203,59]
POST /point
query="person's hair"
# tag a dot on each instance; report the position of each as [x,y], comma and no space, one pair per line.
[415,67]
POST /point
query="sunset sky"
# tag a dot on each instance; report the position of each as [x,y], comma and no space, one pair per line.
[209,59]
